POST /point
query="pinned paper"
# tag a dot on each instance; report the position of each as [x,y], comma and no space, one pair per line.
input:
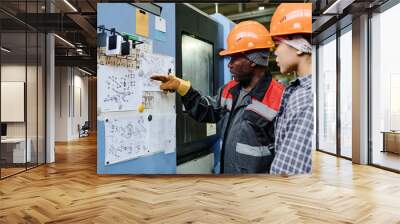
[161,24]
[146,46]
[153,64]
[120,88]
[142,23]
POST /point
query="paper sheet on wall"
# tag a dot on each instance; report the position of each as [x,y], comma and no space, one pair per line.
[119,88]
[145,47]
[159,102]
[125,138]
[163,133]
[160,24]
[154,64]
[138,135]
[142,23]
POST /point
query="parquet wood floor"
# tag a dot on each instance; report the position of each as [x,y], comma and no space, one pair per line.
[70,191]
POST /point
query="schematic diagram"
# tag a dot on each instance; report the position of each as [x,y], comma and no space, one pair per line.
[126,138]
[154,64]
[120,89]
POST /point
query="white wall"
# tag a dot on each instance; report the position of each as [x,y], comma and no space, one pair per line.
[81,83]
[70,83]
[12,73]
[33,126]
[61,103]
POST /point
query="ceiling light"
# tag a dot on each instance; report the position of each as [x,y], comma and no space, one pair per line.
[70,5]
[86,72]
[261,8]
[337,7]
[5,50]
[65,41]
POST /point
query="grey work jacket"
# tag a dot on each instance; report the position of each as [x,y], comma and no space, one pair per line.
[247,129]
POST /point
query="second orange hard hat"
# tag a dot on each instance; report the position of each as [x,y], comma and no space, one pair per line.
[292,18]
[247,36]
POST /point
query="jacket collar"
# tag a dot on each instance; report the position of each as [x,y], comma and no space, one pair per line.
[259,89]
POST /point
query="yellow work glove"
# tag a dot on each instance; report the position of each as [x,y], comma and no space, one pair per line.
[172,83]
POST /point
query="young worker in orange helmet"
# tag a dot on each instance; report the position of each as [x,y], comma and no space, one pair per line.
[245,107]
[291,28]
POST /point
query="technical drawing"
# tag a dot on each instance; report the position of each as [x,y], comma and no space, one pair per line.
[148,99]
[120,88]
[154,64]
[126,138]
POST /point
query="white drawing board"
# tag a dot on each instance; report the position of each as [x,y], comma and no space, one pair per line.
[12,101]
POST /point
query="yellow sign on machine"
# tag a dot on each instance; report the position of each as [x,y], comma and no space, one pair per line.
[142,23]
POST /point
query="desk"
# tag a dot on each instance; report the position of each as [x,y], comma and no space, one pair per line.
[16,147]
[391,141]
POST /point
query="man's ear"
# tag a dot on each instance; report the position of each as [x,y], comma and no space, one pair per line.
[253,64]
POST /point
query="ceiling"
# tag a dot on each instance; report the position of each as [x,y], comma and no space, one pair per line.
[76,21]
[237,12]
[228,9]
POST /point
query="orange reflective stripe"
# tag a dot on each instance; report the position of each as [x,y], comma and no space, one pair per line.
[267,108]
[228,86]
[273,96]
[226,98]
[271,102]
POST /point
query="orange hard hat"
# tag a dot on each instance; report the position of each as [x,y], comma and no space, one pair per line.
[292,18]
[247,36]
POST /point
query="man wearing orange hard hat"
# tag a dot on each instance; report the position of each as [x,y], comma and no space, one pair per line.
[245,107]
[291,28]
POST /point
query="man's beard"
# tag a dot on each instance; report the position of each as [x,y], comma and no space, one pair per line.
[244,79]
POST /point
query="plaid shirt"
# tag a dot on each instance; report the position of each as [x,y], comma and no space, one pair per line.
[293,129]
